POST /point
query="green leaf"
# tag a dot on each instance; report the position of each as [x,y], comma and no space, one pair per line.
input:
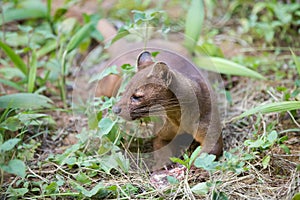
[105,125]
[219,195]
[70,161]
[46,48]
[200,189]
[108,163]
[223,66]
[179,161]
[194,155]
[25,10]
[296,196]
[17,60]
[81,34]
[17,192]
[9,144]
[285,148]
[25,101]
[297,61]
[60,158]
[83,178]
[32,72]
[206,161]
[265,161]
[284,138]
[34,119]
[172,180]
[11,124]
[107,71]
[51,188]
[121,33]
[254,144]
[138,16]
[16,167]
[209,49]
[193,23]
[272,137]
[122,162]
[11,84]
[272,107]
[59,13]
[88,193]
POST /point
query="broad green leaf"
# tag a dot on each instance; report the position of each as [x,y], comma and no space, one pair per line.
[105,125]
[254,144]
[11,124]
[297,62]
[272,107]
[272,137]
[138,16]
[193,23]
[81,34]
[108,163]
[32,72]
[25,101]
[200,188]
[224,66]
[70,161]
[206,161]
[265,161]
[16,167]
[17,60]
[9,144]
[25,10]
[172,180]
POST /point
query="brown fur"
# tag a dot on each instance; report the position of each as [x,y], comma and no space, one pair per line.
[177,92]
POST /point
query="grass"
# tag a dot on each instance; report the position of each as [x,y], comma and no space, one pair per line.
[49,150]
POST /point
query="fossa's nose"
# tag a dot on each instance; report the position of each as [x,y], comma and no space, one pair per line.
[116,110]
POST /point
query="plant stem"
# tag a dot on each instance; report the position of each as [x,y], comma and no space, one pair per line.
[62,81]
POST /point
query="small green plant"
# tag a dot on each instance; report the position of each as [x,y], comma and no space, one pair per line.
[59,38]
[269,20]
[229,162]
[266,142]
[187,161]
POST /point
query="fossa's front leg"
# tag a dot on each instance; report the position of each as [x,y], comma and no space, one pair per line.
[161,144]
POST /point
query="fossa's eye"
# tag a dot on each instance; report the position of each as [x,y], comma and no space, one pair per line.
[136,97]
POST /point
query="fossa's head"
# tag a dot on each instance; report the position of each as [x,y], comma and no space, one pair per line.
[147,93]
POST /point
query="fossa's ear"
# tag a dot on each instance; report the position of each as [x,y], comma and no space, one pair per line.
[144,60]
[162,71]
